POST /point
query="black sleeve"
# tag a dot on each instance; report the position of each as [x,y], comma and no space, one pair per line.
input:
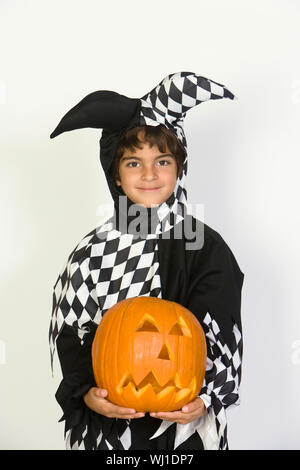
[215,298]
[76,365]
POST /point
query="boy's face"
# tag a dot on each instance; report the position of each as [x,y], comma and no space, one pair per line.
[147,176]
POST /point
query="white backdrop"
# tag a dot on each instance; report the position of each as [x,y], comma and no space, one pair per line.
[243,166]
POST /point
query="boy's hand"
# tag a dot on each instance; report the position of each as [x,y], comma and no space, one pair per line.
[96,401]
[194,410]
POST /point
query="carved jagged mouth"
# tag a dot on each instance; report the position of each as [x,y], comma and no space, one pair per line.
[150,381]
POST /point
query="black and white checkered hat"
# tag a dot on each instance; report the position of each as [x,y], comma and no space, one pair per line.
[166,104]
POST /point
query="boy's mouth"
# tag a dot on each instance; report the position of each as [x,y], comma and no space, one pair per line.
[148,189]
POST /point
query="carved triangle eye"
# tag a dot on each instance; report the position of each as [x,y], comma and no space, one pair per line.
[180,328]
[176,330]
[148,324]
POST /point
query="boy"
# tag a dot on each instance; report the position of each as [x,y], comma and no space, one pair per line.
[144,157]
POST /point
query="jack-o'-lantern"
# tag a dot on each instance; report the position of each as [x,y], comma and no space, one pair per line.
[150,354]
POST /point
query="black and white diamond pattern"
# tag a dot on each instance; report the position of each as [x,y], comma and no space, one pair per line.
[221,385]
[169,101]
[103,274]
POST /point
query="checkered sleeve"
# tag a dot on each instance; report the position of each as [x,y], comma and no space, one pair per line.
[223,369]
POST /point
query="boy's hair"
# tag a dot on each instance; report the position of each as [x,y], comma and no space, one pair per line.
[153,135]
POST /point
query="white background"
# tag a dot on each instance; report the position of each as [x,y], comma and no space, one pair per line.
[243,166]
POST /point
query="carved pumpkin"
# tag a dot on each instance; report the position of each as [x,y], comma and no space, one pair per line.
[150,354]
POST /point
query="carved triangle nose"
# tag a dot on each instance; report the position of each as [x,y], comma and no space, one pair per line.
[164,353]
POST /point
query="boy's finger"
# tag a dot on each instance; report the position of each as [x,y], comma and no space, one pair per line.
[120,410]
[189,408]
[135,416]
[124,411]
[138,414]
[166,414]
[100,392]
[192,406]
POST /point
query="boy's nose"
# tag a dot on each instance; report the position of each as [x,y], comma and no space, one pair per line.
[149,173]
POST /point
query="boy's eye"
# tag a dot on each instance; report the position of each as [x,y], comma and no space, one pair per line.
[130,163]
[161,163]
[164,161]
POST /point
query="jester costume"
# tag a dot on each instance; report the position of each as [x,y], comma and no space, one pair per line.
[196,269]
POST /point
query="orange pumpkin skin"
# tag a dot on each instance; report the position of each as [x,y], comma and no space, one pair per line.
[150,354]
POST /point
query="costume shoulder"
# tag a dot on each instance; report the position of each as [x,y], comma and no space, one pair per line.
[78,255]
[215,282]
[209,239]
[214,241]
